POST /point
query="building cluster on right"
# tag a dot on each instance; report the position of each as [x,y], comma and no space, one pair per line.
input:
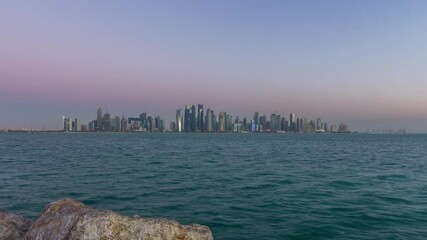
[191,119]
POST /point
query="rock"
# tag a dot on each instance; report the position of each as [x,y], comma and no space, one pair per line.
[70,219]
[13,226]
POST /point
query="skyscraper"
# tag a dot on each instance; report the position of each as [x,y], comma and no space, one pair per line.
[209,120]
[228,123]
[292,122]
[256,120]
[273,124]
[187,118]
[200,125]
[245,124]
[106,122]
[222,121]
[179,120]
[124,124]
[99,119]
[193,119]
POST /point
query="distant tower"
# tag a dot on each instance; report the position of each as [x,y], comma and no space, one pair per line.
[187,117]
[222,121]
[273,122]
[256,121]
[200,125]
[193,119]
[209,120]
[124,124]
[99,119]
[179,120]
[292,122]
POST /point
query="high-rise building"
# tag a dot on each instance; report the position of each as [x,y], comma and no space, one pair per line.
[187,117]
[115,124]
[67,124]
[319,124]
[209,120]
[76,125]
[262,126]
[256,120]
[193,119]
[228,123]
[150,124]
[93,126]
[273,124]
[143,119]
[106,122]
[162,125]
[124,124]
[200,124]
[245,124]
[157,124]
[301,124]
[99,119]
[179,120]
[222,121]
[292,122]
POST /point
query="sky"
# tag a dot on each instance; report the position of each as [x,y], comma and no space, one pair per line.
[358,62]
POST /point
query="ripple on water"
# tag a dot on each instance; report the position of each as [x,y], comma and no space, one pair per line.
[243,186]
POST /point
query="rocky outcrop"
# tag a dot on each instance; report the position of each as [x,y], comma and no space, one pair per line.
[70,219]
[13,226]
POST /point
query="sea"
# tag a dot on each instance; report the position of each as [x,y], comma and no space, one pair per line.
[243,186]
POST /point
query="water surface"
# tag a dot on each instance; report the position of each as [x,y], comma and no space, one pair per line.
[243,186]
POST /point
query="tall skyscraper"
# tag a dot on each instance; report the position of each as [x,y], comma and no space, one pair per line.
[209,120]
[301,124]
[245,124]
[256,120]
[179,120]
[157,123]
[228,123]
[99,119]
[193,119]
[187,117]
[200,125]
[319,124]
[106,122]
[222,121]
[273,124]
[292,122]
[143,117]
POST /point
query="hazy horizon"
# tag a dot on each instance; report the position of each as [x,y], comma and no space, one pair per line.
[358,62]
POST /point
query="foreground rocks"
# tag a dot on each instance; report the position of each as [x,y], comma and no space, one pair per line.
[13,226]
[70,219]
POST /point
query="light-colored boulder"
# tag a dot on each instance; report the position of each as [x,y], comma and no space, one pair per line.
[70,219]
[13,226]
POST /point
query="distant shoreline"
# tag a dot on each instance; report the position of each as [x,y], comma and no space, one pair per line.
[172,132]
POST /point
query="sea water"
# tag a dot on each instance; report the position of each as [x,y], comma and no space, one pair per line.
[243,186]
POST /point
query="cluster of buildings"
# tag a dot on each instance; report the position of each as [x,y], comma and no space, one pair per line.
[192,119]
[107,123]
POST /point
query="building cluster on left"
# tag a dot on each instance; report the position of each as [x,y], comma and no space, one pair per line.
[107,123]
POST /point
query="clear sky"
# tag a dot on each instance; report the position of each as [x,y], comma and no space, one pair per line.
[360,62]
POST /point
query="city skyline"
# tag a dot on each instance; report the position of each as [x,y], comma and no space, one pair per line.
[192,119]
[358,62]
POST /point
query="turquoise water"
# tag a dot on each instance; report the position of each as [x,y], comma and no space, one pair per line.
[243,186]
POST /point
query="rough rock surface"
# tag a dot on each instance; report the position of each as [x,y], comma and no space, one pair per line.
[70,219]
[13,226]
